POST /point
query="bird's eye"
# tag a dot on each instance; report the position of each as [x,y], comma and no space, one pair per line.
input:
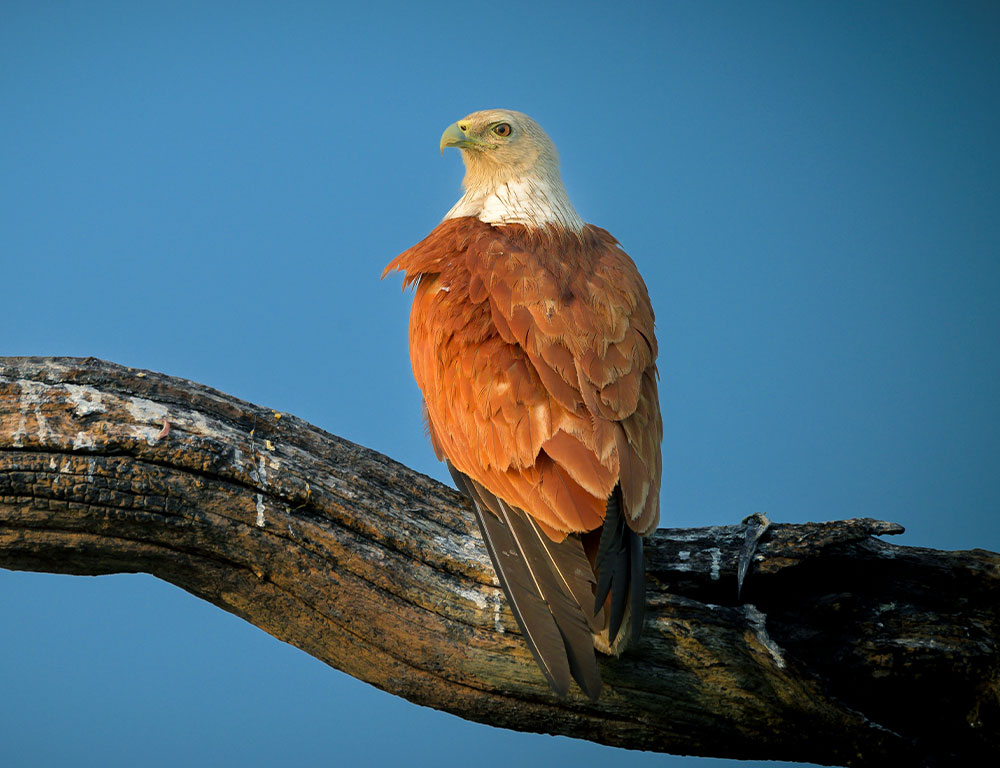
[502,130]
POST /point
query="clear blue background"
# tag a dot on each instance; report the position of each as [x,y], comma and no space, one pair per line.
[812,191]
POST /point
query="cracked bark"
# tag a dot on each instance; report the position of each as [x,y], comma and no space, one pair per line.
[843,649]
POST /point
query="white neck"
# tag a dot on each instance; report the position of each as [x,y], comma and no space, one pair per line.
[530,201]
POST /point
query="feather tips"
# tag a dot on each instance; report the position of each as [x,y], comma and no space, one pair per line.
[530,610]
[544,582]
[620,576]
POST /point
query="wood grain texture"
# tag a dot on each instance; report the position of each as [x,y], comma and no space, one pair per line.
[844,649]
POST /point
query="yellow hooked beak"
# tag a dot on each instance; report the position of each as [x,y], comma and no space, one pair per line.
[454,136]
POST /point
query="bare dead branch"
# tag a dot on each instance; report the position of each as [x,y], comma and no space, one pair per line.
[843,649]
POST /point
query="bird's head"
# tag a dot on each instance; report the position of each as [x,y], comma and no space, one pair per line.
[511,171]
[501,145]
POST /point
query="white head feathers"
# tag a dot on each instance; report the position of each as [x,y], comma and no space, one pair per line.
[511,172]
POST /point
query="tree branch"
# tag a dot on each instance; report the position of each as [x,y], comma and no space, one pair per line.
[843,650]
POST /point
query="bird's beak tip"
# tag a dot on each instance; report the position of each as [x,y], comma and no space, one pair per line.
[453,136]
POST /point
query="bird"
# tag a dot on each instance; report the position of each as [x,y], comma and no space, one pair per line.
[531,339]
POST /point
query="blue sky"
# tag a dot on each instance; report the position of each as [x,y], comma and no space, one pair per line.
[211,190]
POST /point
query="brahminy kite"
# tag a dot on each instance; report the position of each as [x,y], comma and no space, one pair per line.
[531,339]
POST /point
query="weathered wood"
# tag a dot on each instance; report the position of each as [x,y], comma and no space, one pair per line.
[843,649]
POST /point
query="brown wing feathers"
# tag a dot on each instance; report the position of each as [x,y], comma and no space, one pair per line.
[637,586]
[535,353]
[619,564]
[541,580]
